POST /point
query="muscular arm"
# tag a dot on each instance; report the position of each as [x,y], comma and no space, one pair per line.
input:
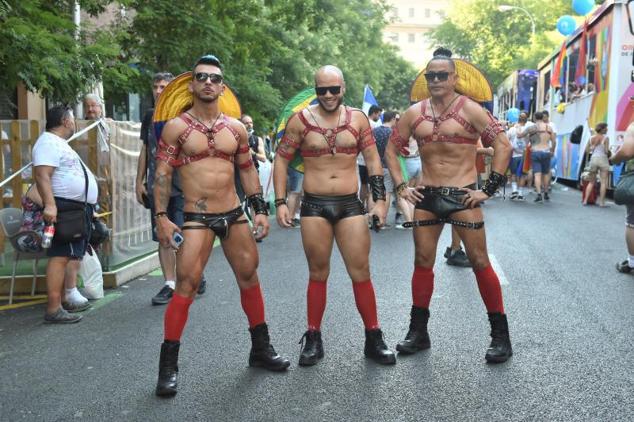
[248,173]
[399,139]
[290,142]
[492,135]
[168,147]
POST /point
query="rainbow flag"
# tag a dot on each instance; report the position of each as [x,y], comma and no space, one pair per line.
[555,78]
[299,102]
[580,74]
[527,163]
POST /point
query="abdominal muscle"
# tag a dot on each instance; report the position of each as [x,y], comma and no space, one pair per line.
[451,165]
[208,186]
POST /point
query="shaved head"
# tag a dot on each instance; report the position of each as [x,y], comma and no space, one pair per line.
[329,72]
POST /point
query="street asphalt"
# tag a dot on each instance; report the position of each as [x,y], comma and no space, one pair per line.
[570,317]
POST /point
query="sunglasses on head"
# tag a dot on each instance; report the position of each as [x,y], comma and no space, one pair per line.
[334,90]
[441,76]
[214,78]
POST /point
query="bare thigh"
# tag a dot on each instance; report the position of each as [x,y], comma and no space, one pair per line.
[474,239]
[353,240]
[426,239]
[242,253]
[191,259]
[317,238]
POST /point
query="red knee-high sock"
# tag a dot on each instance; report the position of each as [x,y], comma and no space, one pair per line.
[366,303]
[490,289]
[253,305]
[315,303]
[422,286]
[176,317]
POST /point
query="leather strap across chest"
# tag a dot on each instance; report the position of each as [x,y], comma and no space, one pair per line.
[330,136]
[210,133]
[454,114]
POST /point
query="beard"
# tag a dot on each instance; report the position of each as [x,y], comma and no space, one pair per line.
[205,98]
[332,108]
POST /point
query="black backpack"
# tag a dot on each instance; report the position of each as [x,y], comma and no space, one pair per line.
[576,135]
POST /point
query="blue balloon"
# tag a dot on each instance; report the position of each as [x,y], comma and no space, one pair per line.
[582,7]
[512,115]
[566,25]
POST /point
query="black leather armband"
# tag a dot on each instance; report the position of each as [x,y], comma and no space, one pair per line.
[256,201]
[493,183]
[377,187]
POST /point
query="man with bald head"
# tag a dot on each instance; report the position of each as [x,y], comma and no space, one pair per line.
[329,136]
[447,127]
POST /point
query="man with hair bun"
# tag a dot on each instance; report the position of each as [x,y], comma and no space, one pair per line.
[447,127]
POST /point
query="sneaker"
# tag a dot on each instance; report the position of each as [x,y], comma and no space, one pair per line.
[61,317]
[398,218]
[459,259]
[514,195]
[295,222]
[399,226]
[163,297]
[546,196]
[202,287]
[520,198]
[73,307]
[538,198]
[624,267]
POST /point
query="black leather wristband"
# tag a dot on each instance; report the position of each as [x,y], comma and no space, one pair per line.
[256,201]
[160,214]
[377,187]
[279,202]
[493,183]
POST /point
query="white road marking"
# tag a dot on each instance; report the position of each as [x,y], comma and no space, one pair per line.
[498,269]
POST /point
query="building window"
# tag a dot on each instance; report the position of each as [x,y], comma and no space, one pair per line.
[411,37]
[427,13]
[411,12]
[393,37]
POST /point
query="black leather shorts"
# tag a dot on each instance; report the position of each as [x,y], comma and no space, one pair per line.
[218,223]
[442,202]
[332,208]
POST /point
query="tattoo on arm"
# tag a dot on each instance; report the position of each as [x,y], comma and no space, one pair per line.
[162,190]
[201,204]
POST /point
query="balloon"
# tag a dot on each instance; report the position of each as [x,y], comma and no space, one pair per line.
[512,115]
[582,7]
[566,25]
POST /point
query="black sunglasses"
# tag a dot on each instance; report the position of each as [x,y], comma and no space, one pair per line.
[334,90]
[203,76]
[441,76]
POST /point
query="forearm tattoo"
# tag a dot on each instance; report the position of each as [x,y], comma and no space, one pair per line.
[162,190]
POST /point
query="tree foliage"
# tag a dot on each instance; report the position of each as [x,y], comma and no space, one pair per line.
[270,48]
[39,46]
[501,42]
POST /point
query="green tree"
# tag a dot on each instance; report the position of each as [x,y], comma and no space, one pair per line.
[40,46]
[501,42]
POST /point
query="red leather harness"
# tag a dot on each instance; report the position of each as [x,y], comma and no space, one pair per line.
[172,154]
[364,139]
[453,114]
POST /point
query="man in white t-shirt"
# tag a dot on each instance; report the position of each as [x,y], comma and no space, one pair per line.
[518,179]
[59,173]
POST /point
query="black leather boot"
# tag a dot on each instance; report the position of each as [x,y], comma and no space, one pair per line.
[376,349]
[500,349]
[417,337]
[168,369]
[262,353]
[313,349]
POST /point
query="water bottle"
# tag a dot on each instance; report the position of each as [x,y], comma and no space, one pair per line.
[47,237]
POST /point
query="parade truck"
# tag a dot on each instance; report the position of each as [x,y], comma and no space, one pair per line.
[519,90]
[590,80]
